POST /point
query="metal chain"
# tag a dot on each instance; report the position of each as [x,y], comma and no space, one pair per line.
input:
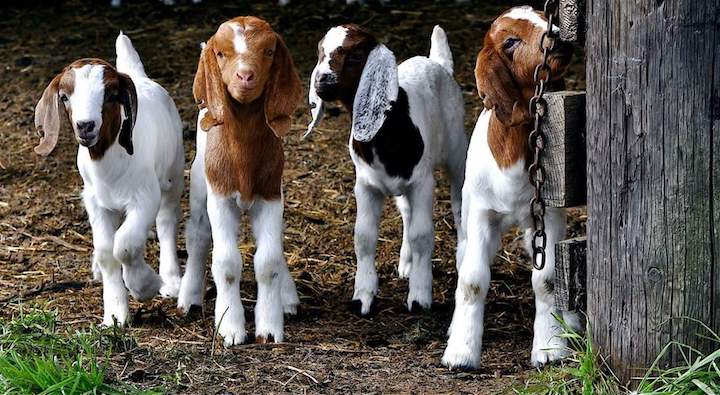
[536,139]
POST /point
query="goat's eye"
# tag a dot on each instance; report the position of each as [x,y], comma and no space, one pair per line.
[63,98]
[510,44]
[269,52]
[355,57]
[220,55]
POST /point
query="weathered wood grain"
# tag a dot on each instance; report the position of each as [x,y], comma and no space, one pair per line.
[564,154]
[653,112]
[570,274]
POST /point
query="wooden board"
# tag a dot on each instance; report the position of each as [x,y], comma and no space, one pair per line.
[653,112]
[564,154]
[570,274]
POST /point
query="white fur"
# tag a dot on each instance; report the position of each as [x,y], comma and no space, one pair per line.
[529,14]
[88,95]
[211,213]
[239,43]
[493,200]
[436,108]
[142,188]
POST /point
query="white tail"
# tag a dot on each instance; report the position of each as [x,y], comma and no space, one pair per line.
[128,60]
[440,50]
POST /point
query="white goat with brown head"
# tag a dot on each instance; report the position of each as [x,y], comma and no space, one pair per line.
[130,157]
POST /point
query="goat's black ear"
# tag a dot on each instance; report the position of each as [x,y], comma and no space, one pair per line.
[128,99]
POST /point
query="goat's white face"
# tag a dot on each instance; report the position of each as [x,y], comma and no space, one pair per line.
[84,104]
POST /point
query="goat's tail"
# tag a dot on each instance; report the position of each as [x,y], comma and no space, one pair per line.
[128,60]
[440,50]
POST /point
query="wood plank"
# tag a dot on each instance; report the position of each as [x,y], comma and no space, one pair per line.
[652,203]
[570,274]
[564,154]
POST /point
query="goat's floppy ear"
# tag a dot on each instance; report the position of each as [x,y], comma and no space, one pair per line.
[498,89]
[377,90]
[283,91]
[129,101]
[317,106]
[208,88]
[47,117]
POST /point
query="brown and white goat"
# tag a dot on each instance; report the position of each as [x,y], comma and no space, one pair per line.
[247,87]
[497,193]
[131,161]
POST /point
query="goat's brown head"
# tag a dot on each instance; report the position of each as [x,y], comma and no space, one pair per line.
[356,69]
[92,95]
[242,62]
[506,64]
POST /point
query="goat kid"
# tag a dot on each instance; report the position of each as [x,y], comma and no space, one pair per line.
[247,87]
[497,192]
[406,120]
[131,161]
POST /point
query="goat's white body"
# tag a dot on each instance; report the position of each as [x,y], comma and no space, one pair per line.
[141,188]
[495,198]
[215,217]
[436,108]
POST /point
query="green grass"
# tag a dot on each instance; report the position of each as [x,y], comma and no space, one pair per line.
[584,372]
[38,358]
[699,374]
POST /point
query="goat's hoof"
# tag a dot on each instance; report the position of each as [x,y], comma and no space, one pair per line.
[191,312]
[417,308]
[460,359]
[541,357]
[362,309]
[170,286]
[233,337]
[260,339]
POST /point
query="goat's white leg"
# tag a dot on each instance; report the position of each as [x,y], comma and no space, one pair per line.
[166,224]
[405,264]
[369,207]
[129,248]
[115,299]
[197,241]
[466,329]
[547,344]
[267,226]
[421,240]
[226,268]
[456,171]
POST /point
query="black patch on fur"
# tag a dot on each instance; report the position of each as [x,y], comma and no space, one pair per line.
[398,143]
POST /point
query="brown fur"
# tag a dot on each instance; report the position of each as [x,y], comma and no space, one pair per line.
[119,90]
[244,148]
[505,83]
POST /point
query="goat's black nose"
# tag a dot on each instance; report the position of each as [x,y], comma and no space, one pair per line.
[85,127]
[326,78]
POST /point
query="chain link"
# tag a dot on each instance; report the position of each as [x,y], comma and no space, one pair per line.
[536,139]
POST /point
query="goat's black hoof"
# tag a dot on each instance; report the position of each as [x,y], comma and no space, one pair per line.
[356,308]
[417,308]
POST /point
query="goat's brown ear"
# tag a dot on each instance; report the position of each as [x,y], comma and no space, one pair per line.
[208,88]
[48,118]
[283,91]
[129,101]
[498,89]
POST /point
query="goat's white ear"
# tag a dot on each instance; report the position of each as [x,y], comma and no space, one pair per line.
[377,90]
[317,106]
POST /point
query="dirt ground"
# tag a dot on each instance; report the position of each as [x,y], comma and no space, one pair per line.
[45,239]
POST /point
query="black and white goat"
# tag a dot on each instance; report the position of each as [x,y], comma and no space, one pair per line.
[406,121]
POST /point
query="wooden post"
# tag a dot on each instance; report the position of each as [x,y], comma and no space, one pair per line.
[564,155]
[571,274]
[653,160]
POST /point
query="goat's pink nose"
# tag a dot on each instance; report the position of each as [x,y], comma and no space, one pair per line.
[245,76]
